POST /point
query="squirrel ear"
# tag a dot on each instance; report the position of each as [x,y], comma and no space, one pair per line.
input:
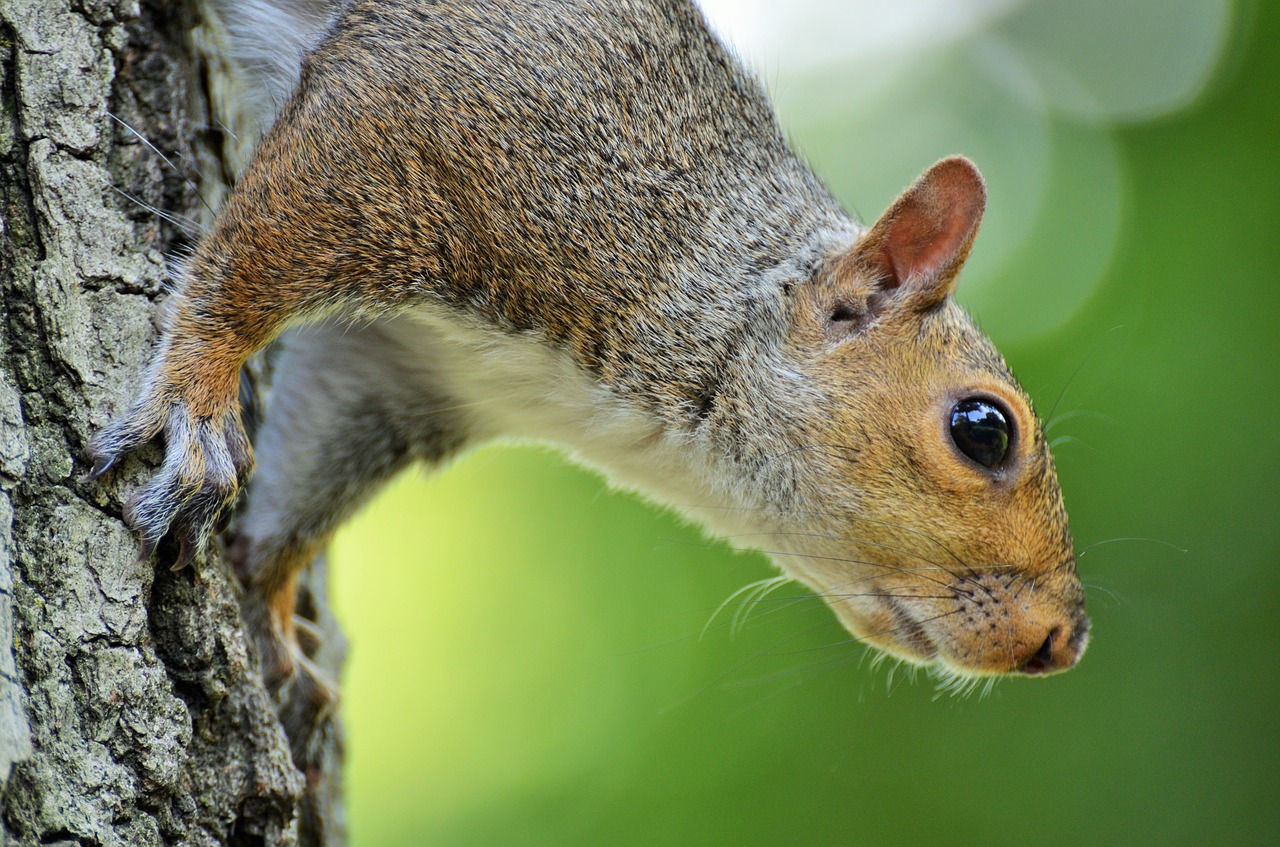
[916,248]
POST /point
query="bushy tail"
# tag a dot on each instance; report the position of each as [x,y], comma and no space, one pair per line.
[267,39]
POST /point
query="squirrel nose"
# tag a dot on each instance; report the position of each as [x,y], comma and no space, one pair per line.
[1060,650]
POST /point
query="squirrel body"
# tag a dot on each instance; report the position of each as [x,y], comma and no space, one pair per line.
[580,222]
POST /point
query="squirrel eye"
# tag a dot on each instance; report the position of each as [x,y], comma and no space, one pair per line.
[981,431]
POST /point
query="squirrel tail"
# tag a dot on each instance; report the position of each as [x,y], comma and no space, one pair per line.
[268,40]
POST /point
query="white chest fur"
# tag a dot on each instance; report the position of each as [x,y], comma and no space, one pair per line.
[518,386]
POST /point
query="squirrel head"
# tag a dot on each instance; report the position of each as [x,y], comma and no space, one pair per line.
[942,537]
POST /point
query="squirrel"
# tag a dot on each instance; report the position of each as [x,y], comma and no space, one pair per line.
[580,222]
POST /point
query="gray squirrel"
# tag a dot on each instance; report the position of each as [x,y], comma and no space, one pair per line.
[580,222]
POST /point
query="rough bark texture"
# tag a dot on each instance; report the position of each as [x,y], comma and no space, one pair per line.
[131,712]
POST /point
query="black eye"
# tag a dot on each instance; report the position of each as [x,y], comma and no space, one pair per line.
[981,431]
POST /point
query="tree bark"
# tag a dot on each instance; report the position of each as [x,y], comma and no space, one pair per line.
[131,710]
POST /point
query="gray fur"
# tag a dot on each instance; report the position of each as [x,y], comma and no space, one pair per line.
[352,405]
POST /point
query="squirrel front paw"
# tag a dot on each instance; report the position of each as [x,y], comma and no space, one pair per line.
[207,457]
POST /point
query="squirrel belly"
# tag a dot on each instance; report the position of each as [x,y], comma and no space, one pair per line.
[721,465]
[580,222]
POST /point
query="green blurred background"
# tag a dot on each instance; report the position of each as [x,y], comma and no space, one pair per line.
[529,665]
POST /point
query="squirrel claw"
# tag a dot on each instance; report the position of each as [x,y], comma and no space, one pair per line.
[184,554]
[122,436]
[206,458]
[101,465]
[146,549]
[224,520]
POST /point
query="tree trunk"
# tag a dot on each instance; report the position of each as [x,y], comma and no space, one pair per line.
[131,711]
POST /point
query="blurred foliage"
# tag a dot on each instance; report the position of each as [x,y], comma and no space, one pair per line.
[529,665]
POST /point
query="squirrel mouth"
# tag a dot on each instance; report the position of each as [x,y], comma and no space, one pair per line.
[907,633]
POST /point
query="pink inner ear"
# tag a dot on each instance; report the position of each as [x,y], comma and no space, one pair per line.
[927,233]
[920,245]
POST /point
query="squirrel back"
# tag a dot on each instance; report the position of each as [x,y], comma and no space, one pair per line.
[664,163]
